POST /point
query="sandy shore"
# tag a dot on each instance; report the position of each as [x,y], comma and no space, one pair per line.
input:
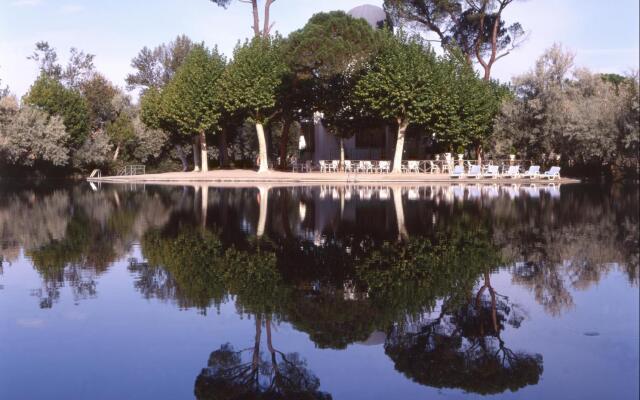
[313,178]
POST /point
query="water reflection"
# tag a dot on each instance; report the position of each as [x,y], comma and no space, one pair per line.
[410,265]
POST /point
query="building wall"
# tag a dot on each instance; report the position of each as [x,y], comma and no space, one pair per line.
[327,146]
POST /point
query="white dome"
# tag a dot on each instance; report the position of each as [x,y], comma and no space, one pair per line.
[374,15]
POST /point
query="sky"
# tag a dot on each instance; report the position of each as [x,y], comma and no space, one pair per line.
[604,35]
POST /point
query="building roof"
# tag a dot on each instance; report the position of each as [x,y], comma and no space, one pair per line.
[374,15]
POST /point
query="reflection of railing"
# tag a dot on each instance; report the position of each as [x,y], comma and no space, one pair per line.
[133,170]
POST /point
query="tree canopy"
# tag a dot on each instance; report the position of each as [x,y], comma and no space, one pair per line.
[400,85]
[51,96]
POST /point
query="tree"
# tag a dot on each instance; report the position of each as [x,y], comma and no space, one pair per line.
[191,99]
[155,67]
[4,91]
[329,51]
[79,68]
[154,70]
[153,117]
[52,97]
[266,30]
[99,94]
[400,85]
[476,27]
[560,111]
[475,104]
[94,152]
[250,85]
[31,137]
[120,131]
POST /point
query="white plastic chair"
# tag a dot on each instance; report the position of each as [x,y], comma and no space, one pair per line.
[551,174]
[512,172]
[348,167]
[475,172]
[533,172]
[458,172]
[335,164]
[411,166]
[323,166]
[492,172]
[384,166]
[433,168]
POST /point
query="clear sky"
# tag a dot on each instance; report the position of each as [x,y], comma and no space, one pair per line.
[603,34]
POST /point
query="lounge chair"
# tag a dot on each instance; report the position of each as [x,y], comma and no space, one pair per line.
[493,171]
[512,172]
[474,172]
[458,172]
[533,172]
[551,174]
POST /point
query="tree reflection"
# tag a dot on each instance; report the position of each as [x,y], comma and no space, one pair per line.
[461,347]
[249,374]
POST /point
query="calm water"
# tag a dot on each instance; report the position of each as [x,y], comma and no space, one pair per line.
[125,292]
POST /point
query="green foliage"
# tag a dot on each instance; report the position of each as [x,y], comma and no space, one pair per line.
[194,260]
[401,83]
[473,105]
[155,67]
[30,136]
[121,129]
[51,96]
[94,152]
[330,44]
[190,101]
[251,81]
[99,94]
[573,113]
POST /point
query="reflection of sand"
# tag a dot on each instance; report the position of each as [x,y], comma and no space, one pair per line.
[279,177]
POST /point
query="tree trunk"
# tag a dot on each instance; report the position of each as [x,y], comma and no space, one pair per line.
[479,154]
[196,154]
[256,18]
[267,27]
[204,202]
[222,149]
[182,157]
[116,153]
[262,145]
[397,202]
[203,152]
[284,143]
[397,158]
[342,154]
[264,203]
[255,362]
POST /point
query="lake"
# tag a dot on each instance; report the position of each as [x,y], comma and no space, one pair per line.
[324,292]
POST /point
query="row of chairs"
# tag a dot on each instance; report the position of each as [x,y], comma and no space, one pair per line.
[363,166]
[493,171]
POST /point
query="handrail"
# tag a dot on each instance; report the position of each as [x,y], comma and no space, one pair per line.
[133,170]
[96,173]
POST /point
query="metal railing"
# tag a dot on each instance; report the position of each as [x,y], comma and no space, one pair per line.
[96,173]
[133,170]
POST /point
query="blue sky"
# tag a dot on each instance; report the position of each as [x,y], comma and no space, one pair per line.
[605,38]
